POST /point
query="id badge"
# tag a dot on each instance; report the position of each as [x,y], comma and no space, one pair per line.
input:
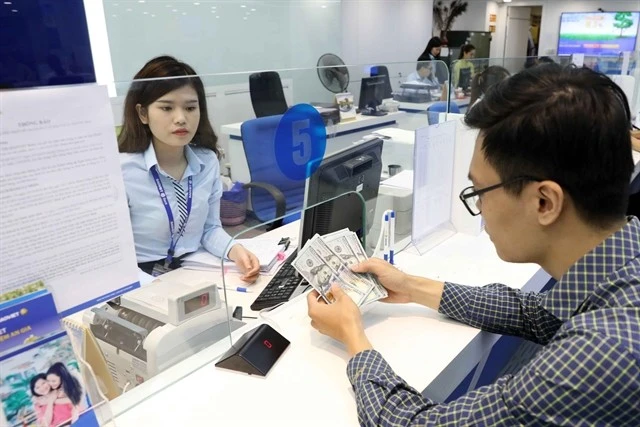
[159,269]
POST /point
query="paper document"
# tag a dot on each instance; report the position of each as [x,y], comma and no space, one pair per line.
[63,208]
[265,249]
[433,178]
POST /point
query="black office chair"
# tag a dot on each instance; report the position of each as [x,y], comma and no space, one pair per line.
[267,95]
[382,70]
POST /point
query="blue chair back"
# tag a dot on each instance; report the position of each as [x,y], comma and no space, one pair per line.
[258,140]
[434,110]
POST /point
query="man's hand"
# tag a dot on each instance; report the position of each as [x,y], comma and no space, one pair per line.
[403,288]
[246,261]
[340,320]
[395,281]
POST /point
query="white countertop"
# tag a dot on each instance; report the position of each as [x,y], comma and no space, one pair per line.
[418,343]
[360,122]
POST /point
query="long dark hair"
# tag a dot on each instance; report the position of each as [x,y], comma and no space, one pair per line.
[69,384]
[34,380]
[466,48]
[434,42]
[154,80]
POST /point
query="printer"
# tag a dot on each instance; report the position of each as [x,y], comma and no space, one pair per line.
[152,328]
[417,92]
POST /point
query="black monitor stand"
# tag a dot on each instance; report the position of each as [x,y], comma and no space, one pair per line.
[372,111]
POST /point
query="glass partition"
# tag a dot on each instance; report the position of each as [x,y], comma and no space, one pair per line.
[336,147]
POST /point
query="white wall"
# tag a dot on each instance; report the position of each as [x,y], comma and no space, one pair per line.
[550,25]
[222,36]
[384,32]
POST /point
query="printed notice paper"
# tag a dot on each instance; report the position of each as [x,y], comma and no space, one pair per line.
[64,218]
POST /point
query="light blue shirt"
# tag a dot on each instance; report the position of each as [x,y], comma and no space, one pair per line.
[149,217]
[415,77]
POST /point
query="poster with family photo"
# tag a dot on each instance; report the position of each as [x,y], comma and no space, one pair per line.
[42,386]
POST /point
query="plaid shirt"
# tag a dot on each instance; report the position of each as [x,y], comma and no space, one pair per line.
[588,373]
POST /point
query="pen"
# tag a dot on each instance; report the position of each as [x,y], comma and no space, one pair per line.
[392,237]
[240,289]
[385,231]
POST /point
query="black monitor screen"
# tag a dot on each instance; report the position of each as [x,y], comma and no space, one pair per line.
[44,43]
[371,92]
[356,169]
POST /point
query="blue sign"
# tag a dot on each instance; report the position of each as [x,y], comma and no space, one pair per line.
[28,322]
[301,140]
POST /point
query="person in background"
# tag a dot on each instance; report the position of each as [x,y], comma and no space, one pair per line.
[550,173]
[481,82]
[424,74]
[432,53]
[464,65]
[169,161]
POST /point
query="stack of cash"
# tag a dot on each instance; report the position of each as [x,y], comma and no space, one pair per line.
[325,260]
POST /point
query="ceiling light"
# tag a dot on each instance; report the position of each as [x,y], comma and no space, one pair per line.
[128,10]
[253,10]
[243,5]
[196,4]
[184,13]
[245,18]
[7,2]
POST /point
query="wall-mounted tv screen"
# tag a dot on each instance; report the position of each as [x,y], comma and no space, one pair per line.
[598,33]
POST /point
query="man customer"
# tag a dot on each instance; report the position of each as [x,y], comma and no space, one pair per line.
[550,173]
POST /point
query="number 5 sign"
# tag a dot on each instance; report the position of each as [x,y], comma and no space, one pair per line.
[301,139]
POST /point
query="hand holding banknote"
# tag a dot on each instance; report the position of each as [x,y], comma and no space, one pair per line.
[340,320]
[397,283]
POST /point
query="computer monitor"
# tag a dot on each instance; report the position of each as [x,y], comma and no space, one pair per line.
[381,70]
[357,168]
[371,95]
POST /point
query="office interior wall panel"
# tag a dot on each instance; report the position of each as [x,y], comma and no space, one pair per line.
[222,36]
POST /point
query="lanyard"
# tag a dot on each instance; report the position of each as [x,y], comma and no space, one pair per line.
[167,207]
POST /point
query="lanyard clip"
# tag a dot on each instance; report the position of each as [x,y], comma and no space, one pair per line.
[169,259]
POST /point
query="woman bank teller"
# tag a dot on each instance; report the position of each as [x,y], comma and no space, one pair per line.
[169,161]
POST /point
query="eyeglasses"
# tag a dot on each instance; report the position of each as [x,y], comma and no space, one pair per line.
[471,197]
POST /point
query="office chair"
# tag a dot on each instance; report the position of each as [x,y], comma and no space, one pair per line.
[273,194]
[267,95]
[434,110]
[382,70]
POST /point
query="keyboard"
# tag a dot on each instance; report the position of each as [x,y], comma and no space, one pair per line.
[286,284]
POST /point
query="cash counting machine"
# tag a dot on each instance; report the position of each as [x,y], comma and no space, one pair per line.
[156,326]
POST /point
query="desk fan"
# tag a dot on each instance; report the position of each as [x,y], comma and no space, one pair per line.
[333,75]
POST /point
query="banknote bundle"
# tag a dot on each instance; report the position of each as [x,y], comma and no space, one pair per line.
[327,259]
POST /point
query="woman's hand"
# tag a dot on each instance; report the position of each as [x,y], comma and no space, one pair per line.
[246,261]
[635,140]
[395,281]
[340,320]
